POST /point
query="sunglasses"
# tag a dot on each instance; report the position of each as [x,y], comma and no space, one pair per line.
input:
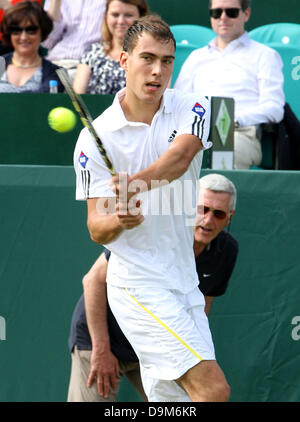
[231,12]
[30,30]
[219,214]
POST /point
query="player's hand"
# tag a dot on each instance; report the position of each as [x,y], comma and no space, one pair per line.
[124,187]
[129,215]
[105,371]
[128,208]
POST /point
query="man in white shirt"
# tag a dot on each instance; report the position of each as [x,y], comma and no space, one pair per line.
[156,136]
[232,65]
[77,24]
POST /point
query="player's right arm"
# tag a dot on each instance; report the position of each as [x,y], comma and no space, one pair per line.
[92,185]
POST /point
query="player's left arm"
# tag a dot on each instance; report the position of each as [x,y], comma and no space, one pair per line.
[193,120]
[170,166]
[174,162]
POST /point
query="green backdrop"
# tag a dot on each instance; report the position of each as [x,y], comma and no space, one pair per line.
[45,250]
[27,138]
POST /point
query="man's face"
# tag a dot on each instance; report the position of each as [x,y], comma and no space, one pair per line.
[229,29]
[148,68]
[208,225]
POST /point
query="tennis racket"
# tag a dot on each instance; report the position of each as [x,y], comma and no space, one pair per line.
[84,114]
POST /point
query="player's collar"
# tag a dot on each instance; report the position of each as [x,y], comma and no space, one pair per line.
[120,120]
[166,104]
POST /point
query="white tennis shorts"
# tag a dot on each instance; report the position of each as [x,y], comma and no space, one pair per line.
[169,332]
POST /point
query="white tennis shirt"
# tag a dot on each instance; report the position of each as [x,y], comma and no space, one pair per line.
[159,252]
[245,70]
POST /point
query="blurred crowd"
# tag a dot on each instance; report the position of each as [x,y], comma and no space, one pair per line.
[86,39]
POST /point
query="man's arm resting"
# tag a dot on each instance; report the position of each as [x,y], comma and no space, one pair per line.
[104,365]
[208,302]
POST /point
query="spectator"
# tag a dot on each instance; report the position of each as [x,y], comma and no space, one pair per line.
[77,24]
[99,71]
[111,356]
[214,248]
[5,4]
[232,65]
[24,26]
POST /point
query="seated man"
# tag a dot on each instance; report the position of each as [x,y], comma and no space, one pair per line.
[111,355]
[233,65]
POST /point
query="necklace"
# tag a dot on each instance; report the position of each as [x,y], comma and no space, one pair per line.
[37,63]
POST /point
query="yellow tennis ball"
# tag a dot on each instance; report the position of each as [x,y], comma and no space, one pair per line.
[61,119]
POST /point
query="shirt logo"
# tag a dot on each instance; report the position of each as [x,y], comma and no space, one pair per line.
[83,159]
[206,275]
[172,137]
[198,109]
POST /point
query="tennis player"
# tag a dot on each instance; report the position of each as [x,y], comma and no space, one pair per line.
[156,136]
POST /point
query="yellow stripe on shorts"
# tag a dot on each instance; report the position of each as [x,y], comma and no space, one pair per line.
[166,327]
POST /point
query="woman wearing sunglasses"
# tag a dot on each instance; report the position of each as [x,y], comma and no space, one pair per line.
[24,26]
[5,4]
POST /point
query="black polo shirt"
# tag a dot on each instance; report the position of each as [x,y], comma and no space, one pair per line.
[214,267]
[215,264]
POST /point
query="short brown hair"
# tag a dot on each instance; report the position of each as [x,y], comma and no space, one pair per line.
[32,11]
[151,24]
[245,4]
[143,9]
